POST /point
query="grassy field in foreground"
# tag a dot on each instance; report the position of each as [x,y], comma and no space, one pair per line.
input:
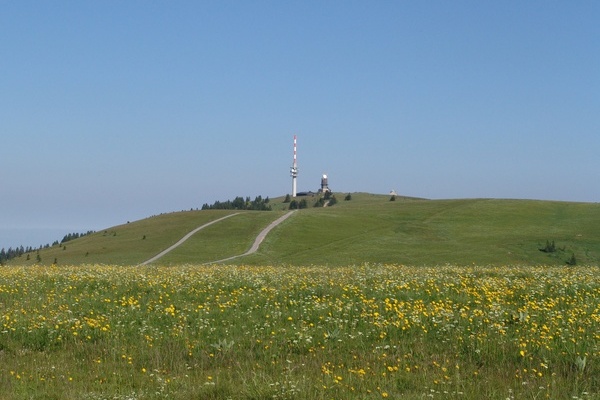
[364,332]
[369,228]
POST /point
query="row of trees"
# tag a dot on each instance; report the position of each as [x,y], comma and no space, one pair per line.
[6,255]
[328,199]
[239,203]
[11,253]
[71,236]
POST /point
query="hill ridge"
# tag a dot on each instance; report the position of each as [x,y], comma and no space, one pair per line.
[367,229]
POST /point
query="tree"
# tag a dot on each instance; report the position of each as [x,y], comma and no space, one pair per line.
[72,236]
[393,198]
[239,203]
[287,198]
[348,197]
[549,248]
[296,205]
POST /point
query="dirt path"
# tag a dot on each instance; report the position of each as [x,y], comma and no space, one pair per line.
[183,239]
[261,236]
[258,239]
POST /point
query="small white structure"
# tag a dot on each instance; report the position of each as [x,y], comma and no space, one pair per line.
[324,184]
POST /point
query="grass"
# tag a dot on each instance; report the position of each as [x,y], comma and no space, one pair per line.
[231,237]
[424,232]
[326,309]
[125,244]
[369,228]
[247,332]
[135,242]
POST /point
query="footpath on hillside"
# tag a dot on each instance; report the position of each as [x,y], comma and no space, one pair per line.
[261,236]
[252,249]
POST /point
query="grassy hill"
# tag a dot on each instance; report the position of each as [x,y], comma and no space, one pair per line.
[368,228]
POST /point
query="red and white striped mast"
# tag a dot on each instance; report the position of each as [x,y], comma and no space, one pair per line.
[294,170]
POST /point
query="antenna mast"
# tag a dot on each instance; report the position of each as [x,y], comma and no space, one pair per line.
[294,170]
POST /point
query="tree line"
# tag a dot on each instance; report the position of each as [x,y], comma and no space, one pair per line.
[71,236]
[328,199]
[6,255]
[239,203]
[11,253]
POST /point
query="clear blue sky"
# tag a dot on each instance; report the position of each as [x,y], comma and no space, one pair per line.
[117,110]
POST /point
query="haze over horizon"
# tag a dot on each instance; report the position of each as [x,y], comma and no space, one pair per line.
[115,111]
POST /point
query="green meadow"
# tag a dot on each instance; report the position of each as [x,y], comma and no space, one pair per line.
[271,332]
[365,299]
[368,228]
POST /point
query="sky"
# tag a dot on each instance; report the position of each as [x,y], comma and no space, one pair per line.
[113,111]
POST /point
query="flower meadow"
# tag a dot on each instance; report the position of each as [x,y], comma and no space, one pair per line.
[317,332]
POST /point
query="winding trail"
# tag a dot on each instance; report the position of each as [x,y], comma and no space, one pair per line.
[258,239]
[261,236]
[183,239]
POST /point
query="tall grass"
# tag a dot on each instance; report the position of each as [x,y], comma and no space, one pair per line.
[366,332]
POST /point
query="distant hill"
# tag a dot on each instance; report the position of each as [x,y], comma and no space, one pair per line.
[366,229]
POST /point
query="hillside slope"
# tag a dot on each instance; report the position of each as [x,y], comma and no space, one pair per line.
[135,242]
[425,232]
[367,229]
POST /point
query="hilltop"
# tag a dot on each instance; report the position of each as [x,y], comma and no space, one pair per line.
[366,229]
